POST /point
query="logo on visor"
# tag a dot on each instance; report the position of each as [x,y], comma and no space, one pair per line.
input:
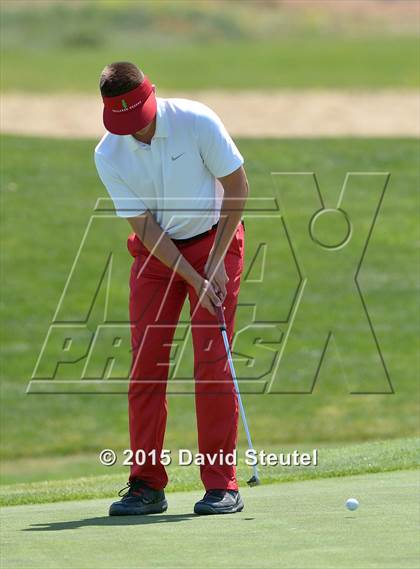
[125,107]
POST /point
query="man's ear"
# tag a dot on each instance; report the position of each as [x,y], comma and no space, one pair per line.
[154,88]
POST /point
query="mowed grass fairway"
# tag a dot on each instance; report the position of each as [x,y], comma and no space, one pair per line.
[49,190]
[203,45]
[287,63]
[293,525]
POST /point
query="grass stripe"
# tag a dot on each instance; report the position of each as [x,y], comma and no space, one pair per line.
[381,456]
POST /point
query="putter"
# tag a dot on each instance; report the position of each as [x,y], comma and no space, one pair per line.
[255,479]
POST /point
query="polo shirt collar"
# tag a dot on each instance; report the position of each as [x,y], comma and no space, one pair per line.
[161,120]
[161,126]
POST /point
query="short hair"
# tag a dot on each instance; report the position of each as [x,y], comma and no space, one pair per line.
[120,77]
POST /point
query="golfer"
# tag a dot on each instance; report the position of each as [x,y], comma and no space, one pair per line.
[174,173]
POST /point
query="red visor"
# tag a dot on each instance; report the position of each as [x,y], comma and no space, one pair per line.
[132,111]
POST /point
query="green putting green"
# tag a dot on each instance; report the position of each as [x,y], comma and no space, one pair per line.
[290,525]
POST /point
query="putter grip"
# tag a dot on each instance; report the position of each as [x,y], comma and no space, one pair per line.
[220,316]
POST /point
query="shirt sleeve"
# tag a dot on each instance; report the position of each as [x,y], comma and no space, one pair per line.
[126,203]
[217,148]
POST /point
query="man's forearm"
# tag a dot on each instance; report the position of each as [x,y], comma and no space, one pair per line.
[236,192]
[161,246]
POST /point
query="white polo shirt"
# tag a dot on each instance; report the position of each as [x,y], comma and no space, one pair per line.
[175,177]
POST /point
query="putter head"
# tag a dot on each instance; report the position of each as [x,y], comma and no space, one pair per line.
[254,481]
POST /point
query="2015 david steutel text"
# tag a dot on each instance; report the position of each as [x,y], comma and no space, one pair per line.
[186,457]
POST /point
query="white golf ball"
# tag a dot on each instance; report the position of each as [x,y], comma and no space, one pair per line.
[352,504]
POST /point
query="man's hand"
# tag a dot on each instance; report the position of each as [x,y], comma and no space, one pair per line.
[207,296]
[218,277]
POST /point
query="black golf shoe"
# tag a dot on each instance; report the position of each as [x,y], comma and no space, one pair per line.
[219,502]
[139,500]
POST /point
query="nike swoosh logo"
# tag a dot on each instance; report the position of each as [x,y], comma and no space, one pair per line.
[176,157]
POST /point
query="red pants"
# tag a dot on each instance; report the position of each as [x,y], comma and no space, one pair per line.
[157,295]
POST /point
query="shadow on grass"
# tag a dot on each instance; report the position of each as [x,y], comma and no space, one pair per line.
[117,521]
[111,521]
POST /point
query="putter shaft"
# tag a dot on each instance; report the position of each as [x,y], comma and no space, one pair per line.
[219,310]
